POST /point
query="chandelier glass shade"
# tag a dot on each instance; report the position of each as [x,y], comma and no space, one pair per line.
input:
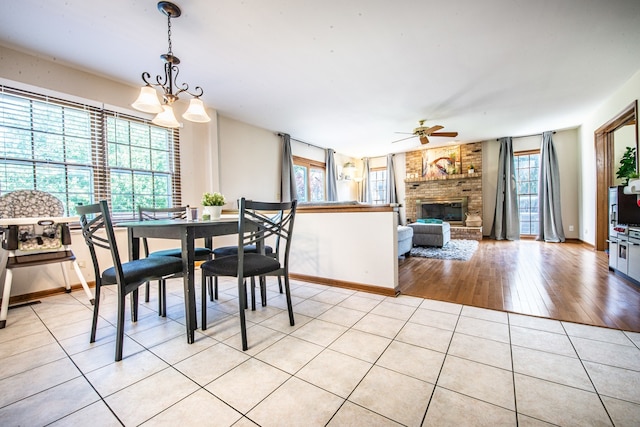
[148,100]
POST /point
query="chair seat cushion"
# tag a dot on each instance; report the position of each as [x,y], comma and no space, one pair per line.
[145,269]
[254,265]
[200,253]
[233,250]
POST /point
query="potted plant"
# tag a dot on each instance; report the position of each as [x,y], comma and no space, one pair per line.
[627,165]
[471,168]
[212,203]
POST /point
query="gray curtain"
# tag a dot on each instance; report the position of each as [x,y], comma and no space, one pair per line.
[506,221]
[365,197]
[549,212]
[392,195]
[287,178]
[332,175]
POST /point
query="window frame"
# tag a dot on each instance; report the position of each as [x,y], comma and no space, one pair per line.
[86,132]
[374,200]
[310,164]
[523,153]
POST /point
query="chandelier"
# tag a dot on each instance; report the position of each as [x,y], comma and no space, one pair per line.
[148,100]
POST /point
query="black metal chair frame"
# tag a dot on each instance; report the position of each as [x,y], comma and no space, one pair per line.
[128,276]
[254,215]
[151,214]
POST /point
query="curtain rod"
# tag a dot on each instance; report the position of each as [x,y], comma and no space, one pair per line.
[303,142]
[527,136]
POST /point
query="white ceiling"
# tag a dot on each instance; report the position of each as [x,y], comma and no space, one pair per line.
[349,74]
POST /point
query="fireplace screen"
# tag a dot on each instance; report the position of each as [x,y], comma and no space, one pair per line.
[452,211]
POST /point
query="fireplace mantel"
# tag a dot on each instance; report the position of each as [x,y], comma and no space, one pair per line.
[444,178]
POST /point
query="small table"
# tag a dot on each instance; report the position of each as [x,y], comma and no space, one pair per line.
[186,231]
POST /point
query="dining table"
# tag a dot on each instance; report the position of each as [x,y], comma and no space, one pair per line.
[187,231]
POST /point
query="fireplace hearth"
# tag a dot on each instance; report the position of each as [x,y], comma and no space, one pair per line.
[452,210]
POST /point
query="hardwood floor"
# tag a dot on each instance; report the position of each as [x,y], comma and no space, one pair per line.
[564,281]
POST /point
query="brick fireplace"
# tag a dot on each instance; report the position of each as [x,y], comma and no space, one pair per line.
[457,186]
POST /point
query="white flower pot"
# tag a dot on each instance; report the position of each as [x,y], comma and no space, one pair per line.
[213,212]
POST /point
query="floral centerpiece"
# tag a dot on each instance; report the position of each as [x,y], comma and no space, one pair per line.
[212,203]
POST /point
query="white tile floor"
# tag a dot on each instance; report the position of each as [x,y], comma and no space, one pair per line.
[353,359]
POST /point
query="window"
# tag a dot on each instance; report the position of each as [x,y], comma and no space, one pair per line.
[310,181]
[527,166]
[82,154]
[378,183]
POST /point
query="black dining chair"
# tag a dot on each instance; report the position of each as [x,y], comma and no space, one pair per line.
[97,230]
[201,253]
[257,223]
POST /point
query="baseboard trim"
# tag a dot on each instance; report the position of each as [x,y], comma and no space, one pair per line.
[346,285]
[18,299]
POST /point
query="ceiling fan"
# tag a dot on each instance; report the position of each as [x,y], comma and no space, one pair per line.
[424,132]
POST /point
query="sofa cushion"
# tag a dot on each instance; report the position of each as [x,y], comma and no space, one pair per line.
[404,233]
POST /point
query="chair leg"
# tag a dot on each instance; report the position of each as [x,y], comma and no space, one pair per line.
[241,306]
[263,290]
[94,323]
[134,306]
[289,305]
[203,301]
[6,294]
[162,298]
[213,288]
[280,283]
[253,293]
[146,292]
[120,325]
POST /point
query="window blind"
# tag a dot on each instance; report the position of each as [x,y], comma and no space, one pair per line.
[83,154]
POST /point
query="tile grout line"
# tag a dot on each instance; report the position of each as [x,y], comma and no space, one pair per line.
[81,373]
[595,389]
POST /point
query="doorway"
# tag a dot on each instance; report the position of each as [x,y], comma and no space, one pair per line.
[605,167]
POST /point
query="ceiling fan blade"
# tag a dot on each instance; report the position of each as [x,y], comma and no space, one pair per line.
[450,134]
[405,133]
[432,129]
[424,140]
[398,140]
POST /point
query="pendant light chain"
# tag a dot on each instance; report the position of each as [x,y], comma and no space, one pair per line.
[169,33]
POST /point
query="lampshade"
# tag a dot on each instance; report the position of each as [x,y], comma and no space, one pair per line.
[196,112]
[148,101]
[166,118]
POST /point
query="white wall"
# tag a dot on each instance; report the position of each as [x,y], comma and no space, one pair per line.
[610,108]
[568,153]
[356,247]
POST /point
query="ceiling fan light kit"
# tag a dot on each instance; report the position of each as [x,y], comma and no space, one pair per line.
[148,100]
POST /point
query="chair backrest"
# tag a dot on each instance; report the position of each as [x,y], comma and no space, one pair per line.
[30,204]
[151,214]
[146,214]
[97,230]
[273,220]
[40,236]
